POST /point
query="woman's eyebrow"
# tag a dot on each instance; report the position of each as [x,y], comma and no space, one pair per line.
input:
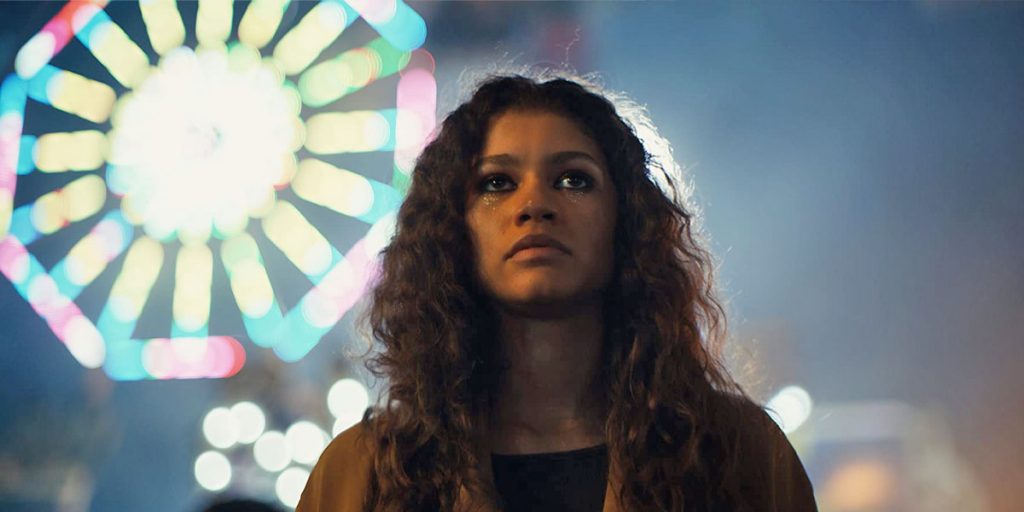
[565,156]
[502,160]
[561,157]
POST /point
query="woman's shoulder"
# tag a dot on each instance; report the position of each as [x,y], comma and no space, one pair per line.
[341,477]
[770,467]
[745,418]
[352,447]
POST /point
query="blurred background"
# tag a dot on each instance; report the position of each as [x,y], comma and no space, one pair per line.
[859,167]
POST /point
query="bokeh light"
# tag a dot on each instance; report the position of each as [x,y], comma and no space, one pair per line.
[221,428]
[790,408]
[261,450]
[305,441]
[289,485]
[213,470]
[250,420]
[347,400]
[861,484]
[271,451]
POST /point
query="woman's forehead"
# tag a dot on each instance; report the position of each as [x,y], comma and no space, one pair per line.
[513,133]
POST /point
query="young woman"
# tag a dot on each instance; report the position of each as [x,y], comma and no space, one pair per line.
[550,333]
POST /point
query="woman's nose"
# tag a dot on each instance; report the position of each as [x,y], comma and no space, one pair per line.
[536,202]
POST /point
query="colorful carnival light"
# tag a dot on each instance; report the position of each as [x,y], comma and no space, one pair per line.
[242,439]
[184,162]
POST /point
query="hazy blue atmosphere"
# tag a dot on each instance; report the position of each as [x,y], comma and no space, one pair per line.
[861,175]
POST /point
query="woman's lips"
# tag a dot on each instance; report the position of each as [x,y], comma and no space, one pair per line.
[538,252]
[537,240]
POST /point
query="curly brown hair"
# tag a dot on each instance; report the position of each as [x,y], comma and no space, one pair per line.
[671,403]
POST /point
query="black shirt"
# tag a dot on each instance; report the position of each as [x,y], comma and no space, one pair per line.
[572,481]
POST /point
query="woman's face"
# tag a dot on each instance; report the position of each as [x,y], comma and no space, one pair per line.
[538,174]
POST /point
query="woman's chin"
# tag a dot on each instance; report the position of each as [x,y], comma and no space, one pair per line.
[545,303]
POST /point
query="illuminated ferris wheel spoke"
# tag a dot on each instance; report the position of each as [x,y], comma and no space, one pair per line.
[58,209]
[163,24]
[178,358]
[394,20]
[182,358]
[351,71]
[25,162]
[115,50]
[252,289]
[13,97]
[84,150]
[72,93]
[243,57]
[21,227]
[261,21]
[63,316]
[131,288]
[213,22]
[415,119]
[300,241]
[193,280]
[320,309]
[344,191]
[124,359]
[53,37]
[106,241]
[357,131]
[301,45]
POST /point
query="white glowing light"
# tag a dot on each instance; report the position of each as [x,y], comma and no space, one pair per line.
[85,342]
[220,428]
[289,485]
[42,290]
[347,400]
[790,408]
[202,143]
[380,235]
[375,11]
[271,451]
[340,425]
[35,54]
[213,470]
[250,420]
[305,441]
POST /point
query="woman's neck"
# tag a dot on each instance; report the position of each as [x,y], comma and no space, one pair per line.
[548,398]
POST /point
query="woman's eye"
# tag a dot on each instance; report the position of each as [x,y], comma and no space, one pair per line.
[571,181]
[494,183]
[577,181]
